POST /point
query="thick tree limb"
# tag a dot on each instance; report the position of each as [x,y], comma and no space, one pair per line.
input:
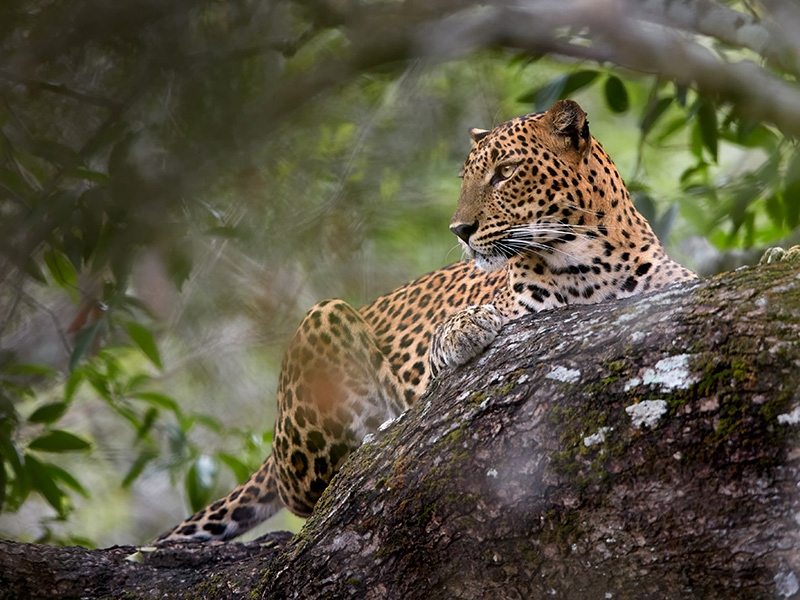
[645,448]
[613,32]
[730,26]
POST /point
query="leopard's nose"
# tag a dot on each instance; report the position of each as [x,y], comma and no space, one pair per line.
[464,231]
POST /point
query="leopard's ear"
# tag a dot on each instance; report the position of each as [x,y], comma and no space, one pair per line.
[568,120]
[476,135]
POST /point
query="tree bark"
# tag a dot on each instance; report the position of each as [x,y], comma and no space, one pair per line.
[645,448]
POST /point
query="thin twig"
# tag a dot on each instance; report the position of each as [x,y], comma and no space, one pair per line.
[59,88]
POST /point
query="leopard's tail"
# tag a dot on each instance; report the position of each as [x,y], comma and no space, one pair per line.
[245,507]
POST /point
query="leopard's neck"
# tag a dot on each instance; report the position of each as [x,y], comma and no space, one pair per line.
[588,270]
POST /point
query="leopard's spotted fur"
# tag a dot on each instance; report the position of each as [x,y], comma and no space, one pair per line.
[547,222]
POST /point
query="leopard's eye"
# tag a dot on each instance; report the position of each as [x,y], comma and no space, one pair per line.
[502,173]
[506,171]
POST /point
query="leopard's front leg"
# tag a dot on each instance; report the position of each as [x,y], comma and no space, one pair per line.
[464,335]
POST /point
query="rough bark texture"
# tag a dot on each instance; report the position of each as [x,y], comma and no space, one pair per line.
[642,449]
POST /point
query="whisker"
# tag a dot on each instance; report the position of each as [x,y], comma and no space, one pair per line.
[539,232]
[552,250]
[537,226]
[463,253]
[611,226]
[538,238]
[510,247]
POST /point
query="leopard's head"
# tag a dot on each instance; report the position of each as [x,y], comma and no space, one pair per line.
[534,184]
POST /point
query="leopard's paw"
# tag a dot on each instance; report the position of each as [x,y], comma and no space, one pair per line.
[773,255]
[464,335]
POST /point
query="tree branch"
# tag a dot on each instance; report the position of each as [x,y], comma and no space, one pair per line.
[61,89]
[732,27]
[642,448]
[610,33]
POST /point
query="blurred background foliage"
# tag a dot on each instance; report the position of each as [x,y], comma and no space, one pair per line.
[180,180]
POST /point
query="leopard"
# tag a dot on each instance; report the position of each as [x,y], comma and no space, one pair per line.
[545,221]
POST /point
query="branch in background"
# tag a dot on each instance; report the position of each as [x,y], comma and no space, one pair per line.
[786,19]
[59,88]
[611,34]
[732,27]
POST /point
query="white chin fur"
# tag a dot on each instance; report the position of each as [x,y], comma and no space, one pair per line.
[490,263]
[482,261]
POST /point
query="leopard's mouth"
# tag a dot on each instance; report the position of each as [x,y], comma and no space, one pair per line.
[486,261]
[517,241]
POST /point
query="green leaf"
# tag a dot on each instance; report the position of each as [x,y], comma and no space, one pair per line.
[791,192]
[61,269]
[42,481]
[67,478]
[653,113]
[83,341]
[577,81]
[92,205]
[645,204]
[755,135]
[3,484]
[27,369]
[616,94]
[774,209]
[73,383]
[130,302]
[59,441]
[48,413]
[35,271]
[791,203]
[136,381]
[179,264]
[161,400]
[144,339]
[8,414]
[240,470]
[176,436]
[738,205]
[390,184]
[73,248]
[56,153]
[200,481]
[680,94]
[700,170]
[148,420]
[226,232]
[89,175]
[558,88]
[709,129]
[696,143]
[11,453]
[20,483]
[663,226]
[15,183]
[145,456]
[209,422]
